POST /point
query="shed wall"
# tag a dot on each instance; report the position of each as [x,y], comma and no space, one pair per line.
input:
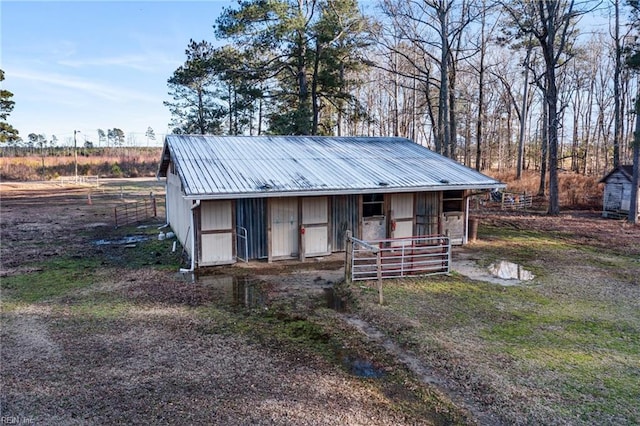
[178,211]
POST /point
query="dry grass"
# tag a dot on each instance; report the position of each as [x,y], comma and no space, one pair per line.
[104,162]
[575,190]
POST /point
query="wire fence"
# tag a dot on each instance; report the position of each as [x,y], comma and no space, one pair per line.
[138,211]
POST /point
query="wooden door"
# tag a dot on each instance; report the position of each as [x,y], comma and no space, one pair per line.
[315,219]
[401,217]
[284,227]
[216,233]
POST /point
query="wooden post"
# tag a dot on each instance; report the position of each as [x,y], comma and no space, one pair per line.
[348,257]
[379,274]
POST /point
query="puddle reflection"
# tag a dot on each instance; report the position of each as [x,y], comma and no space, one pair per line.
[510,271]
[234,291]
[334,301]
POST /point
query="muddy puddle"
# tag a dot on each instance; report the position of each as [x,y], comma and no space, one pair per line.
[251,293]
[510,271]
[129,239]
[333,300]
[360,367]
[242,292]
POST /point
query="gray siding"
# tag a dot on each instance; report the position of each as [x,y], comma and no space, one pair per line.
[251,214]
[344,216]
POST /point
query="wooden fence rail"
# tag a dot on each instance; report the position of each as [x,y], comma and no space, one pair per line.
[138,211]
[85,180]
[516,201]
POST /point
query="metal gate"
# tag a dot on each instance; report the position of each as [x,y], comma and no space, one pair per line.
[398,257]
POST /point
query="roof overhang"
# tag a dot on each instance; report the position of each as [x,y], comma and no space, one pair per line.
[326,192]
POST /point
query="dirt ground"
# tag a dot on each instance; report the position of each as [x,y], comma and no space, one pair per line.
[154,352]
[147,345]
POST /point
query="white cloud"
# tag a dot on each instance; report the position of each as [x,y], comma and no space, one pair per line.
[146,63]
[89,88]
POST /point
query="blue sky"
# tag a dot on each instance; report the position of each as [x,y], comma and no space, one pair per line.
[85,65]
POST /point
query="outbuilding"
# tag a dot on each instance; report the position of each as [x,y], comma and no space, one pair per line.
[618,184]
[284,197]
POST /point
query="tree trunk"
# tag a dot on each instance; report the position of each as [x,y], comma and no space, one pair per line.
[633,207]
[302,125]
[443,98]
[617,132]
[523,115]
[544,144]
[552,103]
[314,91]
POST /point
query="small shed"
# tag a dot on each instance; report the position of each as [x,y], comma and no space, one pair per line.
[283,197]
[618,185]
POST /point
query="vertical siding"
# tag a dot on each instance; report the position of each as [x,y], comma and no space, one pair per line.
[314,210]
[402,206]
[344,216]
[217,249]
[178,212]
[251,214]
[216,215]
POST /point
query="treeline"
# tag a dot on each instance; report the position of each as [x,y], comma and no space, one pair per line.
[519,85]
[25,164]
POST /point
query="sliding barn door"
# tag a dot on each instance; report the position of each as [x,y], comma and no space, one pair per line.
[315,219]
[284,227]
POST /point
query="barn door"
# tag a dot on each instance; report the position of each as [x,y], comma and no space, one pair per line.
[284,227]
[401,225]
[427,213]
[216,233]
[315,219]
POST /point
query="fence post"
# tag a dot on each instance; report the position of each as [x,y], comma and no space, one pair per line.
[115,213]
[379,275]
[348,257]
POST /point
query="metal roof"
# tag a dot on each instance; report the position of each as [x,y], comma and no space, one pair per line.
[212,167]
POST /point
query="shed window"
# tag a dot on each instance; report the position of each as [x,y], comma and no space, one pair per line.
[452,201]
[372,205]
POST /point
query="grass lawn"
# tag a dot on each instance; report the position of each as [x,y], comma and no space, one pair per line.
[561,349]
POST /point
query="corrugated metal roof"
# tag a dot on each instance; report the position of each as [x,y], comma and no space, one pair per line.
[263,166]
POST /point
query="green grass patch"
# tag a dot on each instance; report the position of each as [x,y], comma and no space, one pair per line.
[101,308]
[586,350]
[52,279]
[148,251]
